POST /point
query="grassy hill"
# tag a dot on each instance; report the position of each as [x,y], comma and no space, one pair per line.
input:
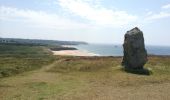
[77,78]
[38,42]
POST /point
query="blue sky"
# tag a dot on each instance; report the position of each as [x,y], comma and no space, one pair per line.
[94,21]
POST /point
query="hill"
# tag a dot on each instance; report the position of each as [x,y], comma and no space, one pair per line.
[38,42]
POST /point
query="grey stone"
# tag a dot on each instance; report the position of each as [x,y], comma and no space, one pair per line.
[135,54]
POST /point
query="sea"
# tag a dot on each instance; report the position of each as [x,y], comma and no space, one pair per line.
[117,50]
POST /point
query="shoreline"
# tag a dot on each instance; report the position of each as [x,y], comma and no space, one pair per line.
[70,50]
[73,53]
[88,54]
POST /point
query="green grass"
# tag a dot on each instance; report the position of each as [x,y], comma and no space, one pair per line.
[159,65]
[16,59]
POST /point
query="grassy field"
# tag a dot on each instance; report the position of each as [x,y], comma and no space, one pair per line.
[89,78]
[16,59]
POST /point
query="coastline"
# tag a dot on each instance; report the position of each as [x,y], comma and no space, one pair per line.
[73,53]
[69,50]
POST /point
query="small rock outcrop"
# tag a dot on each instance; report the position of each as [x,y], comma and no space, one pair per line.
[135,54]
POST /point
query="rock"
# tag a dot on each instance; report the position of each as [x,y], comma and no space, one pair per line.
[135,54]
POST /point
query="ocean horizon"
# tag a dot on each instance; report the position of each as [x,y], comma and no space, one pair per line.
[117,49]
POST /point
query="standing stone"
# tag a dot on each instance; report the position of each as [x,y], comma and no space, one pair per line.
[135,54]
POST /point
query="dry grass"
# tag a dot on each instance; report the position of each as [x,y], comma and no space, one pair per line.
[89,78]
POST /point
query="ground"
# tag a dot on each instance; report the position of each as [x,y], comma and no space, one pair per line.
[89,78]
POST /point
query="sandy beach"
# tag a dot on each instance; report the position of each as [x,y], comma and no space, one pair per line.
[73,53]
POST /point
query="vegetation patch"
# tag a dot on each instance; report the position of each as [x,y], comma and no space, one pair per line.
[16,59]
[84,64]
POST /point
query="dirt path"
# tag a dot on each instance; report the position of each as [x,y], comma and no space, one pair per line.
[45,68]
[36,75]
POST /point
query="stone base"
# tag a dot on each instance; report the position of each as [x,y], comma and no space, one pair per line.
[143,71]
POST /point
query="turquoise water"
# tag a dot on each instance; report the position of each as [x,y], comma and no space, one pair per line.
[117,50]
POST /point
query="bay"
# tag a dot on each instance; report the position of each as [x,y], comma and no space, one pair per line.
[117,50]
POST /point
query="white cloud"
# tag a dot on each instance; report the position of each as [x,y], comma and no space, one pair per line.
[166,6]
[96,13]
[149,13]
[152,16]
[38,18]
[160,15]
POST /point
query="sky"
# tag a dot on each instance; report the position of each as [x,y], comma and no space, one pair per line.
[93,21]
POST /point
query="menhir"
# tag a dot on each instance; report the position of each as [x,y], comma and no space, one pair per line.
[135,54]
